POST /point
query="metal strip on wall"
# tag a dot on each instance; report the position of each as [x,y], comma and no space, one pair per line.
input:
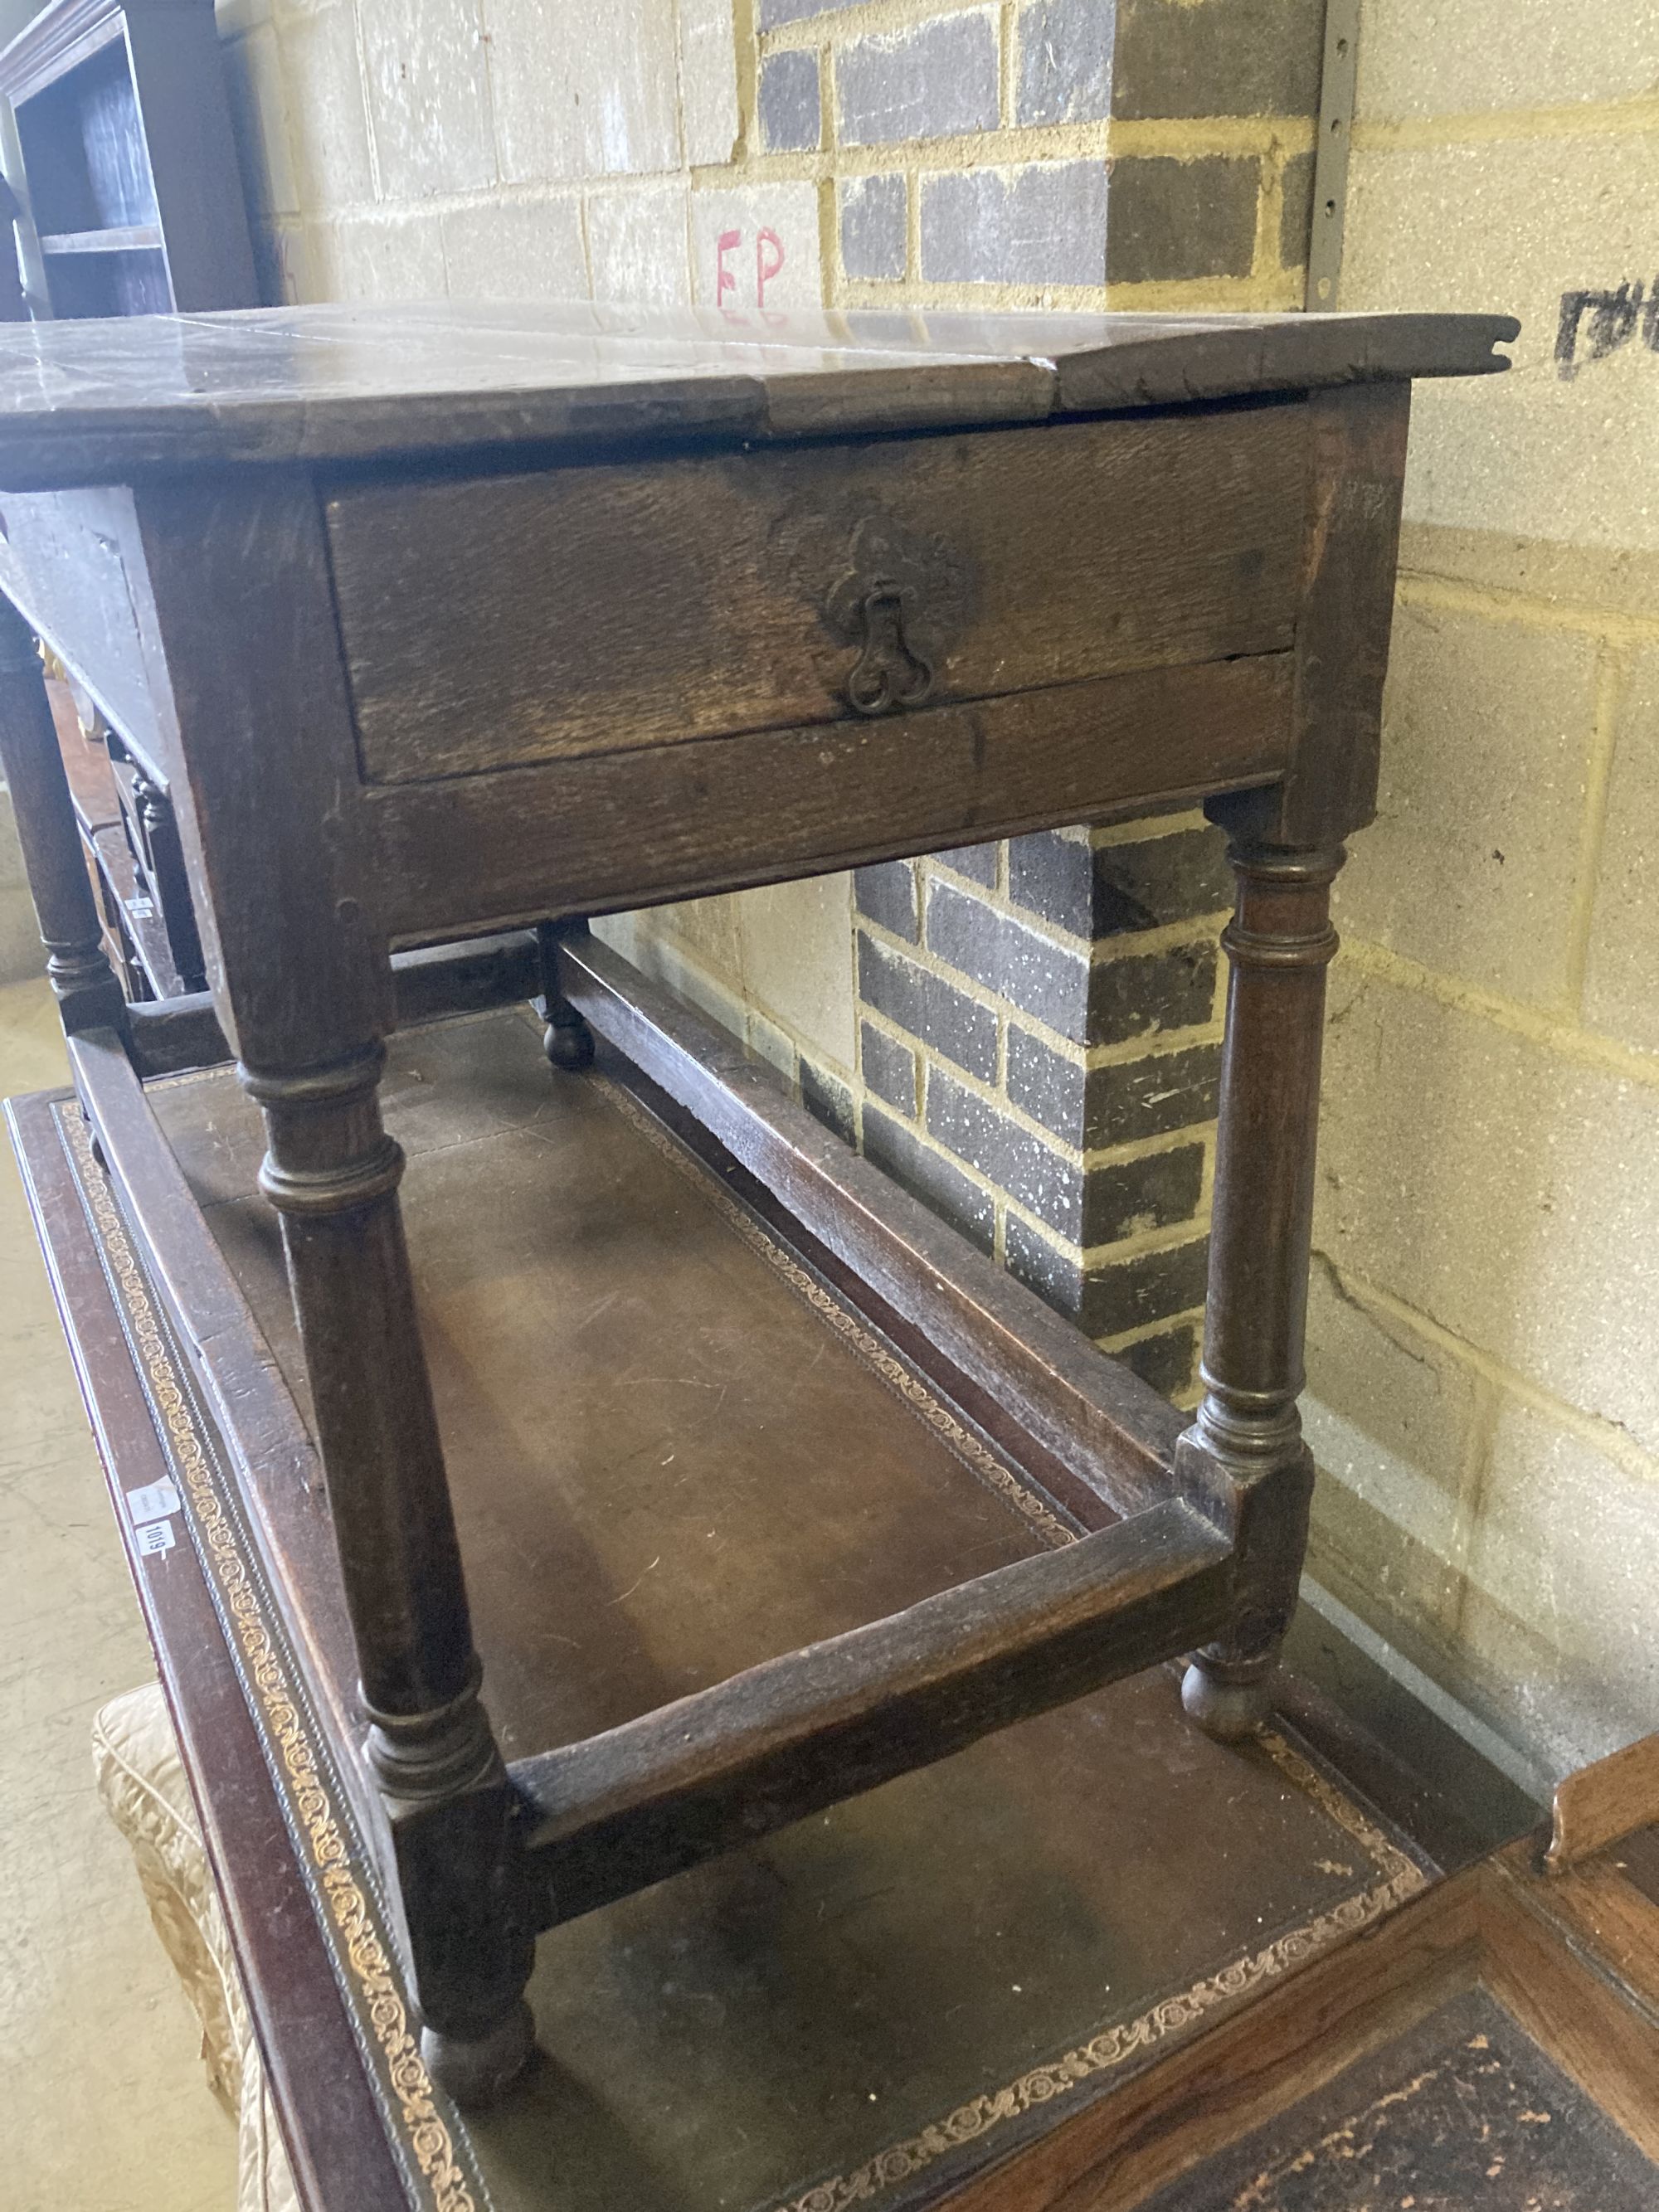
[1330,182]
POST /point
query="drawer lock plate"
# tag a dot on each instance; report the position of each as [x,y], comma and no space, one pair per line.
[890,671]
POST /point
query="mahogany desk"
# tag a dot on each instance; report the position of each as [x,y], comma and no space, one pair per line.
[435,622]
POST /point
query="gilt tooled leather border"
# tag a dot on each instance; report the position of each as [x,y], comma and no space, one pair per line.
[433,2152]
[431,2144]
[1117,2045]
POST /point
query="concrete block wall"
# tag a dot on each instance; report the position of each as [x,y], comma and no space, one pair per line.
[1039,1046]
[1485,1342]
[753,155]
[20,950]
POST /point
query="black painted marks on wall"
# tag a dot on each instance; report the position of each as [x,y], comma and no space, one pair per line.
[1594,325]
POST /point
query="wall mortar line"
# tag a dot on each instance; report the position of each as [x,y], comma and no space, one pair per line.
[1582,1047]
[1420,587]
[1614,672]
[1602,1435]
[1487,126]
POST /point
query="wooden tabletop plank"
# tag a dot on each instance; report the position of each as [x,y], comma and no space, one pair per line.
[99,400]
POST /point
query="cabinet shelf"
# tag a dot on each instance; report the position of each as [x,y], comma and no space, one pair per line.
[128,238]
[113,225]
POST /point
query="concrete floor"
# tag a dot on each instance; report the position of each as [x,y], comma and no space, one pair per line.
[103,2102]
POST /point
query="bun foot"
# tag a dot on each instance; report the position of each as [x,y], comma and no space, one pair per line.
[569,1041]
[476,2071]
[1228,1699]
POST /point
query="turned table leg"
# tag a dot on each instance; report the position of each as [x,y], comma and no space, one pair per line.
[1244,1456]
[88,994]
[233,572]
[567,1041]
[332,1172]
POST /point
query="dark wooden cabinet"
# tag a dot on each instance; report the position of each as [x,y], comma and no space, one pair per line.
[125,199]
[129,198]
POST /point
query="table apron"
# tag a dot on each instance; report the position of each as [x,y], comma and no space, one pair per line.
[636,829]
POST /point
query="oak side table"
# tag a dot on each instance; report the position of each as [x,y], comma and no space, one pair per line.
[443,621]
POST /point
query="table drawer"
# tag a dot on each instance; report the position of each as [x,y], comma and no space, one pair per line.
[495,621]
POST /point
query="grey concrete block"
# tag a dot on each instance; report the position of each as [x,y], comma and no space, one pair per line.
[890,1069]
[1066,60]
[1044,223]
[1174,219]
[1226,58]
[1120,1104]
[928,1176]
[790,117]
[1622,986]
[1486,725]
[428,87]
[22,953]
[13,877]
[598,101]
[827,1098]
[931,82]
[887,893]
[930,1008]
[874,225]
[1109,890]
[1297,215]
[709,122]
[979,861]
[774,12]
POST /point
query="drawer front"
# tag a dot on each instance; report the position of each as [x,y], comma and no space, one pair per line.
[497,621]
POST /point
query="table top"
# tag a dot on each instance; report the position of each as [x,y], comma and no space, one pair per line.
[99,401]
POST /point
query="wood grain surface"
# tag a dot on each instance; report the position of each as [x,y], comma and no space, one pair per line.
[68,560]
[626,829]
[707,1773]
[504,620]
[1605,1801]
[1109,1431]
[91,402]
[336,2148]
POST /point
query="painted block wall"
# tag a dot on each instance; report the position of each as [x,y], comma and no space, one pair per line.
[20,950]
[1486,1332]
